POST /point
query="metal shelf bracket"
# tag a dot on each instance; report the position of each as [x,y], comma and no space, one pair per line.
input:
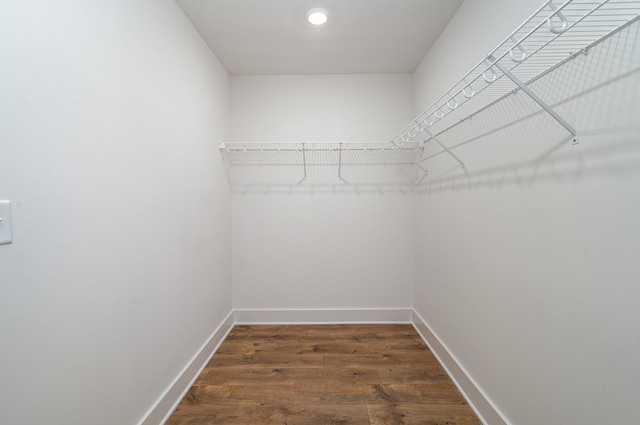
[304,162]
[453,155]
[536,98]
[340,163]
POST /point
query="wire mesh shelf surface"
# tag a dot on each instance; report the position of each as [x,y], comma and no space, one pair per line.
[553,34]
[321,162]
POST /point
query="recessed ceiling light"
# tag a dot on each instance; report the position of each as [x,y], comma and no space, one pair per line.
[317,16]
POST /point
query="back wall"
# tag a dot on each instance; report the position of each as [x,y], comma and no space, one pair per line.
[323,245]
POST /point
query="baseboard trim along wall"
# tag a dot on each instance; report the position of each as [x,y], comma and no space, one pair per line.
[488,413]
[323,316]
[479,402]
[167,403]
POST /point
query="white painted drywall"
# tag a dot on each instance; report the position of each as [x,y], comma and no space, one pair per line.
[319,107]
[322,250]
[120,267]
[527,269]
[321,246]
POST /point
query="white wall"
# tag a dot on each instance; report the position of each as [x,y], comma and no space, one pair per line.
[321,246]
[527,268]
[120,267]
[319,107]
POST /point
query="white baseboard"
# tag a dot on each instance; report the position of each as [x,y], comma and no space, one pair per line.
[166,404]
[479,402]
[488,413]
[323,316]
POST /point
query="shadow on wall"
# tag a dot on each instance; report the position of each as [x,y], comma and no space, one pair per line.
[606,152]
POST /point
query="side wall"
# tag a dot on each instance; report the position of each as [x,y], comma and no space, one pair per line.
[527,267]
[120,267]
[311,246]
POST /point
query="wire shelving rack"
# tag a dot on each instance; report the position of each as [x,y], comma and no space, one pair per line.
[557,32]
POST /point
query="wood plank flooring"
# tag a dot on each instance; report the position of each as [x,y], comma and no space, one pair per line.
[321,375]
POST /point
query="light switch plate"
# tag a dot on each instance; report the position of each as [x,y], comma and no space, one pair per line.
[5,222]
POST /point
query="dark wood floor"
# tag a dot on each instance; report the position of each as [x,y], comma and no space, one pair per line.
[323,374]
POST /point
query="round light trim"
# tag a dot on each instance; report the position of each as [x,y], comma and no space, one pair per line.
[317,16]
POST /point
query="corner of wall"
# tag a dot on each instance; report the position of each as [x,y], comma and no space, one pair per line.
[481,404]
[169,400]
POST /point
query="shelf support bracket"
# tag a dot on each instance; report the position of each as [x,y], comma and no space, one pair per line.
[426,172]
[536,99]
[304,162]
[453,155]
[340,162]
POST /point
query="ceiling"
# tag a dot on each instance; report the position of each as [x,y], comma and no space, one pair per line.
[361,37]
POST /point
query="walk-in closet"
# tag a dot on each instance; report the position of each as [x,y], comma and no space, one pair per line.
[360,212]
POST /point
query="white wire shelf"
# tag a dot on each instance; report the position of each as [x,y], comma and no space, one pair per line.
[321,162]
[556,33]
[553,34]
